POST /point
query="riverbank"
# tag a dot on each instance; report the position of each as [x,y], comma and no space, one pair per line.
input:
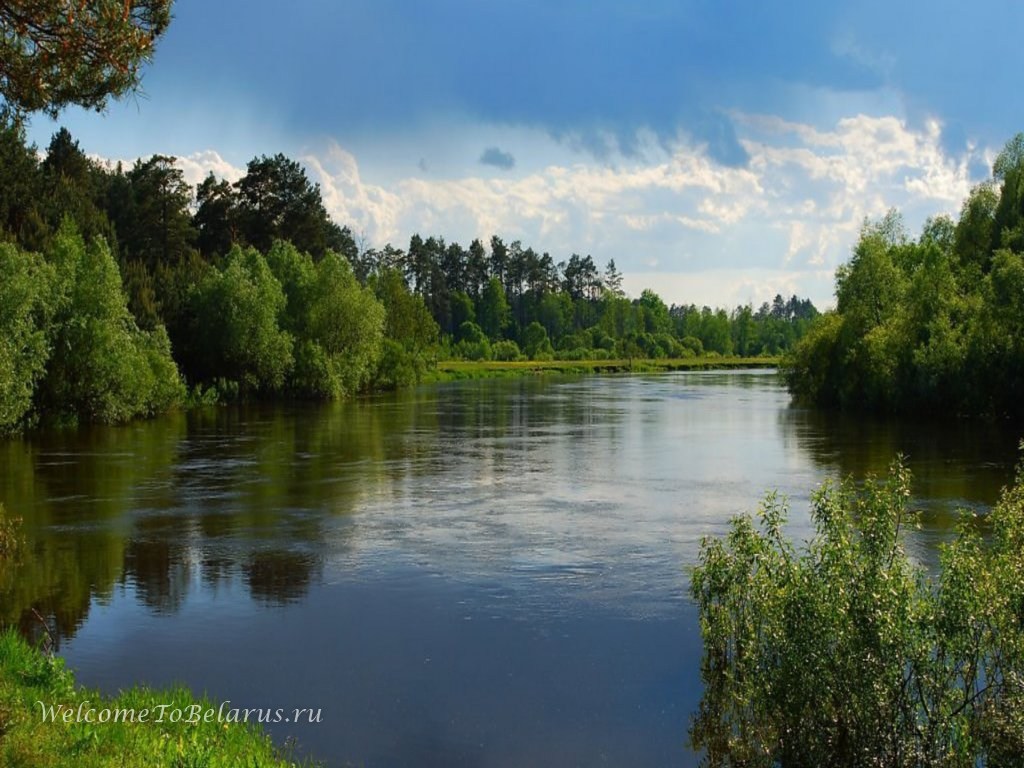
[47,720]
[449,370]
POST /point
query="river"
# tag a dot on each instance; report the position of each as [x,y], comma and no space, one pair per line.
[483,573]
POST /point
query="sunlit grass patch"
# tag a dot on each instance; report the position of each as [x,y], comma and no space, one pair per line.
[33,683]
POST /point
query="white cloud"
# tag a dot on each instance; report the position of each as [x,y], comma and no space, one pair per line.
[199,165]
[367,209]
[783,222]
[194,167]
[813,187]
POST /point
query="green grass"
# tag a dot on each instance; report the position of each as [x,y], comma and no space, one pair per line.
[464,369]
[28,677]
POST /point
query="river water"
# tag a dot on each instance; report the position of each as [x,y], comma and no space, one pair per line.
[488,573]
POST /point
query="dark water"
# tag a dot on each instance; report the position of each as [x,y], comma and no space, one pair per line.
[477,574]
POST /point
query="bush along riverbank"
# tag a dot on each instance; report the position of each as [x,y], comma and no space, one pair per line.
[845,651]
[48,721]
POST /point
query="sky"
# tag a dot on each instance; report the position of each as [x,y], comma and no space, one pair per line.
[720,152]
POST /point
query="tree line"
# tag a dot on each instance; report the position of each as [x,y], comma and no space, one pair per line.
[933,324]
[126,290]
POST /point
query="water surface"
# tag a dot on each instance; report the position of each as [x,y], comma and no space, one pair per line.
[484,573]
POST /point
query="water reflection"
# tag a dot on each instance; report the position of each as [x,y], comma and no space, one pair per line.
[210,495]
[955,463]
[486,572]
[959,467]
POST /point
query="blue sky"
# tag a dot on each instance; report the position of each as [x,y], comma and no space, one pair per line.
[718,151]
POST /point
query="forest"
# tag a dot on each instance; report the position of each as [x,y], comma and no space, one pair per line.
[928,325]
[127,291]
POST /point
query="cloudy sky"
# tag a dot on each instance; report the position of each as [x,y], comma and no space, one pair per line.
[719,151]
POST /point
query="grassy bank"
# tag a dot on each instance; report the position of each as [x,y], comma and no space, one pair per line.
[464,369]
[203,735]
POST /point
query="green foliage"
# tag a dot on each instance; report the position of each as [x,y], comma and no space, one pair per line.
[174,288]
[408,321]
[24,320]
[338,324]
[693,344]
[932,325]
[141,292]
[847,653]
[215,216]
[20,188]
[462,309]
[238,309]
[102,367]
[493,310]
[654,316]
[713,328]
[472,343]
[398,367]
[154,221]
[346,322]
[55,54]
[471,332]
[535,340]
[276,201]
[815,370]
[72,185]
[554,312]
[69,348]
[506,350]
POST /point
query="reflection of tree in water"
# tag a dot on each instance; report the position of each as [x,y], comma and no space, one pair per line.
[252,495]
[71,488]
[249,476]
[159,572]
[151,503]
[956,465]
[280,576]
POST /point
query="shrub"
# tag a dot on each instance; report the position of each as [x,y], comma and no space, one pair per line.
[693,344]
[470,332]
[580,353]
[472,350]
[398,367]
[846,653]
[535,340]
[573,341]
[669,345]
[506,350]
